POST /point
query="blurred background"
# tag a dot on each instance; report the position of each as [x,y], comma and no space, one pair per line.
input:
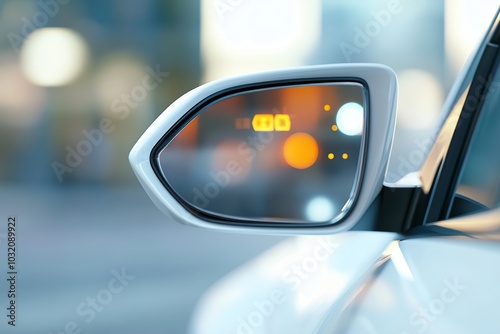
[82,80]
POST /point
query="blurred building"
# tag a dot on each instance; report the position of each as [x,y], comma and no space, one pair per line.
[44,122]
[74,101]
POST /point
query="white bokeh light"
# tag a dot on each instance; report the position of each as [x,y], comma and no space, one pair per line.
[465,25]
[15,109]
[53,56]
[350,119]
[421,98]
[320,209]
[240,37]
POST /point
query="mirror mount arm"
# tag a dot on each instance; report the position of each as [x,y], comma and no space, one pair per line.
[397,206]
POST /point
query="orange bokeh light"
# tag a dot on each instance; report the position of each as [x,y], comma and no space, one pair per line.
[300,150]
[304,104]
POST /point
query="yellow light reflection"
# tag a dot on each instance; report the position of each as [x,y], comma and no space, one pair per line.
[242,123]
[335,128]
[345,156]
[300,150]
[266,123]
[282,122]
[263,122]
[331,156]
[327,107]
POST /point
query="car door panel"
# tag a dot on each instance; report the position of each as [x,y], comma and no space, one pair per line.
[306,276]
[442,280]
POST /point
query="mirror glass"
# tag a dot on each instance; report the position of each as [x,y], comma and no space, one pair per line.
[276,155]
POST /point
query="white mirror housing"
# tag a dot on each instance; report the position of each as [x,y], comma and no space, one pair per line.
[380,86]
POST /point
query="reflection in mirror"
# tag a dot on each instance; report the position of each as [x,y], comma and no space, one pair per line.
[281,155]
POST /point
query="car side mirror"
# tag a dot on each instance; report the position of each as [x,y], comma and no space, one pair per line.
[300,150]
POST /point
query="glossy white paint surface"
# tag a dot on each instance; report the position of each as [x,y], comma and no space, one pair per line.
[310,275]
[369,283]
[454,286]
[382,86]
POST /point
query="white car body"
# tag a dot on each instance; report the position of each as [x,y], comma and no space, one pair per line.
[416,285]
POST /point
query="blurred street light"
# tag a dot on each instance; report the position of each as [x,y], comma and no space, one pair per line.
[53,56]
[247,36]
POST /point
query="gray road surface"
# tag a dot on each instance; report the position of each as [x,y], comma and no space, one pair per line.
[73,242]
